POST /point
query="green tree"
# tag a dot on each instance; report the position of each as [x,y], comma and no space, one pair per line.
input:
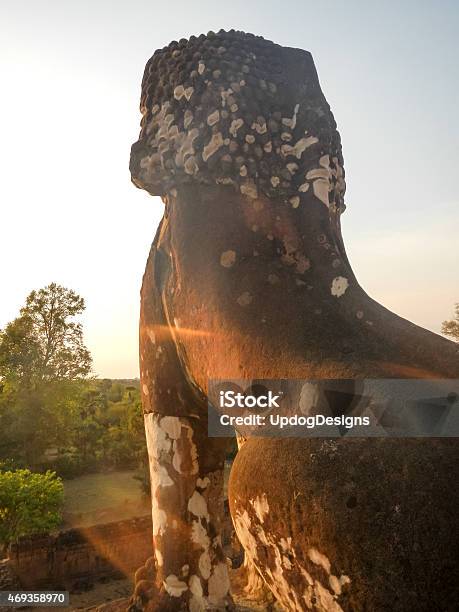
[123,442]
[45,342]
[451,328]
[43,365]
[30,503]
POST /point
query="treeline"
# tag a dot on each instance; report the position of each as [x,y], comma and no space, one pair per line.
[72,427]
[53,413]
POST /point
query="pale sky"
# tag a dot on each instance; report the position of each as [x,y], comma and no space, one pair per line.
[71,73]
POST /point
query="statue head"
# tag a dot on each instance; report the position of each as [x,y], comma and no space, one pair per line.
[235,109]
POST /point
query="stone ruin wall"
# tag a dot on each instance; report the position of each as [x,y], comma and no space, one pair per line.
[79,557]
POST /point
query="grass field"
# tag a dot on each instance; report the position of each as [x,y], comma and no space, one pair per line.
[102,498]
[105,497]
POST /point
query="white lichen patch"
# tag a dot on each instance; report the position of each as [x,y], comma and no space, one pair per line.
[324,161]
[228,258]
[193,451]
[339,286]
[198,604]
[282,562]
[195,585]
[213,118]
[286,563]
[205,565]
[325,600]
[309,397]
[187,118]
[307,576]
[338,583]
[197,601]
[212,146]
[317,173]
[291,122]
[177,460]
[219,584]
[197,505]
[179,92]
[235,125]
[259,126]
[300,146]
[199,535]
[159,517]
[203,483]
[171,426]
[286,544]
[344,580]
[145,389]
[319,559]
[159,557]
[185,570]
[242,526]
[261,507]
[244,299]
[156,437]
[321,188]
[191,166]
[335,584]
[158,445]
[174,586]
[163,479]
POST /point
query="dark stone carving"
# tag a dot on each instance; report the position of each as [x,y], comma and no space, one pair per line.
[248,278]
[230,109]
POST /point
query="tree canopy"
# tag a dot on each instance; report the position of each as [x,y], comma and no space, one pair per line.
[43,362]
[29,503]
[45,342]
[451,328]
[53,415]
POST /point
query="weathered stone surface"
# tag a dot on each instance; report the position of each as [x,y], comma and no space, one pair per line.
[248,278]
[259,123]
[351,524]
[8,579]
[81,556]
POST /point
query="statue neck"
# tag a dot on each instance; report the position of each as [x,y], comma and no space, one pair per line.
[248,283]
[302,244]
